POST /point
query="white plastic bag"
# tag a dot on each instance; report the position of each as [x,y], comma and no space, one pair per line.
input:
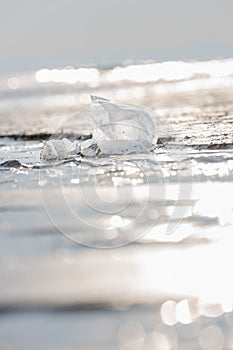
[116,129]
[59,149]
[119,128]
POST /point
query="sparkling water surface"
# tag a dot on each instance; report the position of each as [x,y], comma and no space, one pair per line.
[122,251]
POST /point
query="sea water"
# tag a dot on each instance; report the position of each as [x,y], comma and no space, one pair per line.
[115,249]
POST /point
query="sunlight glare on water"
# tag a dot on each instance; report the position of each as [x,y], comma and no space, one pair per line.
[141,73]
[69,76]
[160,289]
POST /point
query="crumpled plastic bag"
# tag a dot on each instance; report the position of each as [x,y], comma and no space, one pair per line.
[119,129]
[116,129]
[59,149]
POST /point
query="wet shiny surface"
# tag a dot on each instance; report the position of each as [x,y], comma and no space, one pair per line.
[169,284]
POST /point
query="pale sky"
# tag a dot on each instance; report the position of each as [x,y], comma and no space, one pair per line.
[54,33]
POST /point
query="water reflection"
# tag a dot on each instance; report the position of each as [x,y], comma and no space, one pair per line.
[181,282]
[131,335]
[211,338]
[89,76]
[138,73]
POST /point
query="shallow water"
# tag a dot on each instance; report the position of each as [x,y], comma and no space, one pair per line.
[169,212]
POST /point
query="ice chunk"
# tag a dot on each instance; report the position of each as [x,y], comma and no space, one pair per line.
[59,149]
[119,129]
